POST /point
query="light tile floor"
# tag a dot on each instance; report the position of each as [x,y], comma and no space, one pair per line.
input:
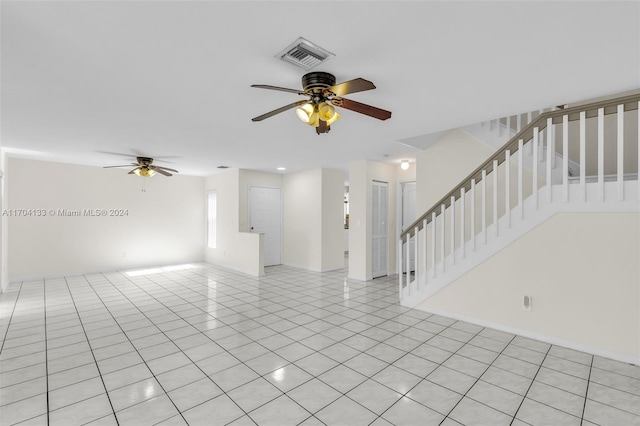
[206,346]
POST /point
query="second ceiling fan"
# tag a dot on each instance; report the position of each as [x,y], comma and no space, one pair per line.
[323,92]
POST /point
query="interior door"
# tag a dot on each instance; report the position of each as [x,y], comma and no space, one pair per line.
[379,238]
[408,216]
[265,216]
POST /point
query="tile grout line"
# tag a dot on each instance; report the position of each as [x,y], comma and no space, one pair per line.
[91,348]
[586,392]
[530,385]
[480,377]
[46,346]
[441,364]
[13,310]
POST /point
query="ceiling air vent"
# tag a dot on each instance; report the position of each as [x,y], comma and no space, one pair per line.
[304,54]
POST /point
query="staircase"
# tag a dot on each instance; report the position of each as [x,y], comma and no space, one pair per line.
[568,159]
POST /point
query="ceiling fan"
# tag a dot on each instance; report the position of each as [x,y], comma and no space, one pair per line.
[145,168]
[323,92]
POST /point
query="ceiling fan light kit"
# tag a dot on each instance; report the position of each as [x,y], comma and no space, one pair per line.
[146,168]
[324,95]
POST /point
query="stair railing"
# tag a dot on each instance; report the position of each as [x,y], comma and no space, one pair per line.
[463,200]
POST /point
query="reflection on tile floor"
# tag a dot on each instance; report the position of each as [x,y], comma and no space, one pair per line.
[206,346]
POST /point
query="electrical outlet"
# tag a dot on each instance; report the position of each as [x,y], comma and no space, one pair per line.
[527,302]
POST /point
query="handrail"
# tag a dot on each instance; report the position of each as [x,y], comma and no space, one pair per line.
[630,103]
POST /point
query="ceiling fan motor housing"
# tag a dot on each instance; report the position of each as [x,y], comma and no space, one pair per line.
[317,81]
[144,161]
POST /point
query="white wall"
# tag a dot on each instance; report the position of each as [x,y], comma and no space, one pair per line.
[332,219]
[445,163]
[164,225]
[303,219]
[4,240]
[583,274]
[313,223]
[361,176]
[240,251]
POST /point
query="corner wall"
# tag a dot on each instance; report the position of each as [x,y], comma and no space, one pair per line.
[240,251]
[313,224]
[163,225]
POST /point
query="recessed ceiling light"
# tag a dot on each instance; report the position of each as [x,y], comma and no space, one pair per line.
[282,169]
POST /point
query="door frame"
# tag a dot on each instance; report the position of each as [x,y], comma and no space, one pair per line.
[281,213]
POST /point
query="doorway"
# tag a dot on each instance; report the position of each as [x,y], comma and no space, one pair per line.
[265,217]
[379,237]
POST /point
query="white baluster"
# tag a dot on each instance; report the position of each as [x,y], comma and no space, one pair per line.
[541,147]
[415,259]
[462,220]
[529,114]
[565,158]
[601,153]
[499,126]
[408,254]
[424,250]
[549,153]
[638,133]
[442,228]
[520,187]
[483,190]
[551,140]
[518,123]
[507,187]
[433,243]
[534,195]
[509,127]
[495,196]
[620,167]
[400,269]
[583,156]
[453,230]
[472,213]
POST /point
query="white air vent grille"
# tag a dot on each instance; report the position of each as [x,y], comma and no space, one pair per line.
[304,54]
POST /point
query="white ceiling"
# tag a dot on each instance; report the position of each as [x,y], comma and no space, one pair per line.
[170,79]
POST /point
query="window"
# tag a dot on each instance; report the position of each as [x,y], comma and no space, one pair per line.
[211,219]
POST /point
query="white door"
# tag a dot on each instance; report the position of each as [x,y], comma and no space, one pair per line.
[265,216]
[408,216]
[379,245]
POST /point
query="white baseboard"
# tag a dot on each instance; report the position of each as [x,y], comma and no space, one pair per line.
[558,341]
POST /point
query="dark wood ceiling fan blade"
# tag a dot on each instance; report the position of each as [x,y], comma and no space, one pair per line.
[132,171]
[159,170]
[281,89]
[365,109]
[278,111]
[351,86]
[164,168]
[123,165]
